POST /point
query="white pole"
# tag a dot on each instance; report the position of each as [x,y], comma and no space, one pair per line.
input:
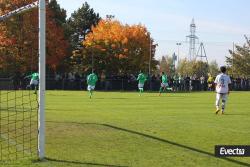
[178,59]
[149,63]
[150,52]
[42,66]
[233,60]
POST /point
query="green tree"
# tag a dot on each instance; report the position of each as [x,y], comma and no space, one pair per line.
[184,67]
[198,68]
[60,14]
[167,65]
[80,23]
[213,68]
[163,65]
[239,61]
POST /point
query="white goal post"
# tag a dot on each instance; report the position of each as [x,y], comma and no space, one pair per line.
[42,71]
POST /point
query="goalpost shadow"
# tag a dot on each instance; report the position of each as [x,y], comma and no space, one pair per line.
[160,140]
[46,159]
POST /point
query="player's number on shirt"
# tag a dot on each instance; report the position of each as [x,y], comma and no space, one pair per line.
[222,82]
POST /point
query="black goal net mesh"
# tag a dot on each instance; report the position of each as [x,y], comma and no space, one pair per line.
[18,122]
[18,61]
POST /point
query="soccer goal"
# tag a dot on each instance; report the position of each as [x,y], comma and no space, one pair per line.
[22,128]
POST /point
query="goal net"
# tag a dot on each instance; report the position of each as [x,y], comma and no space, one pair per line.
[18,122]
[22,35]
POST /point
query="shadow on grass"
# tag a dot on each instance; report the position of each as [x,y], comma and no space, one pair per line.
[79,163]
[160,140]
[176,144]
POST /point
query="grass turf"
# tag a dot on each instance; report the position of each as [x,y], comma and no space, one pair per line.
[122,129]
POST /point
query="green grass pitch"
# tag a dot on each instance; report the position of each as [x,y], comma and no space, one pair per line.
[116,129]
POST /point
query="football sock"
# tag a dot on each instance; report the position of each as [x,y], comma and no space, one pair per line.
[90,93]
[223,105]
[217,108]
[161,89]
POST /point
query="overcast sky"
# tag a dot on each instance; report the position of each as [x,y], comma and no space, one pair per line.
[219,22]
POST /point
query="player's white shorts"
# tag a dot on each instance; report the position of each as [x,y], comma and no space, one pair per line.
[90,87]
[140,85]
[221,96]
[164,84]
[34,82]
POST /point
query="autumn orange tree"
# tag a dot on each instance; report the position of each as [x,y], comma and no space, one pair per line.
[117,48]
[19,40]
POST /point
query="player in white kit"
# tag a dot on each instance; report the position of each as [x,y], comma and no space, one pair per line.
[222,82]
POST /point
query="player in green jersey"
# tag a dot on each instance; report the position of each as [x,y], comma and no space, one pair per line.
[91,81]
[164,83]
[34,81]
[141,80]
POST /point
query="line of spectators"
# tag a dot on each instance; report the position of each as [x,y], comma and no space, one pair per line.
[77,81]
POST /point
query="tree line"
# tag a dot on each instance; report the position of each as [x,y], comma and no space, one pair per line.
[85,41]
[75,44]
